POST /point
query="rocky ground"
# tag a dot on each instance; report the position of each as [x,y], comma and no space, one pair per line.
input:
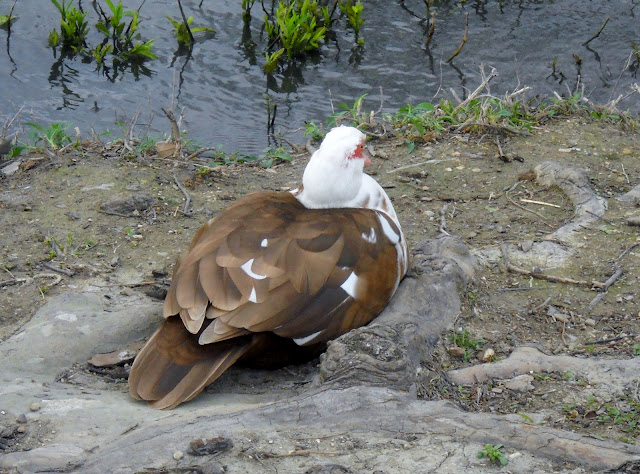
[538,352]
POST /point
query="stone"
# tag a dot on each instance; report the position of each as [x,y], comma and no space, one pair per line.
[520,383]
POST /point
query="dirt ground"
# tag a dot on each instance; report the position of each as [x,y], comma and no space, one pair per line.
[89,218]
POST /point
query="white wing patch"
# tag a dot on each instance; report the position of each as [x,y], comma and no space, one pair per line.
[246,267]
[349,285]
[264,243]
[253,297]
[301,341]
[370,237]
[391,234]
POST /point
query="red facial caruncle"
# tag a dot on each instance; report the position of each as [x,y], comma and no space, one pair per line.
[359,153]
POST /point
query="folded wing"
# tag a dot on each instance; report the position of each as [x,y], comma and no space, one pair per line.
[267,265]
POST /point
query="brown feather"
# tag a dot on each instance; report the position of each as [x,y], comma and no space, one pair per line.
[177,368]
[314,275]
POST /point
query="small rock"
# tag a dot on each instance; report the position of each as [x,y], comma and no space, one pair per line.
[488,355]
[178,455]
[165,148]
[11,168]
[521,383]
[456,351]
[22,418]
[203,446]
[634,221]
[590,322]
[21,429]
[526,245]
[126,292]
[35,406]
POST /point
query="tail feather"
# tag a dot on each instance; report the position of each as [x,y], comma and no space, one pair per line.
[173,368]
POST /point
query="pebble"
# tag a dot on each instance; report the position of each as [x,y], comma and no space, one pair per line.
[488,355]
[521,383]
[634,221]
[178,455]
[456,351]
[22,418]
[11,168]
[35,406]
[526,245]
[590,322]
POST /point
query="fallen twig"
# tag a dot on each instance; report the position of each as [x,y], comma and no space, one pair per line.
[607,341]
[443,221]
[114,213]
[301,452]
[625,174]
[428,162]
[64,271]
[130,285]
[597,33]
[542,276]
[186,194]
[626,251]
[544,221]
[541,203]
[464,39]
[541,306]
[601,218]
[612,279]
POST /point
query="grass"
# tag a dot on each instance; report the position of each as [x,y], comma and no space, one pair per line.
[415,123]
[53,136]
[462,338]
[494,453]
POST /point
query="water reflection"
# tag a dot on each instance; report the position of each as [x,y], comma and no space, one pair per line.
[62,75]
[222,86]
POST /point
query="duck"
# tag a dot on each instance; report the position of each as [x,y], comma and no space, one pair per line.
[277,274]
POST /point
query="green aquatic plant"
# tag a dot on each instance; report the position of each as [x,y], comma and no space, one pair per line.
[73,27]
[297,26]
[271,61]
[246,9]
[123,37]
[353,12]
[6,20]
[181,30]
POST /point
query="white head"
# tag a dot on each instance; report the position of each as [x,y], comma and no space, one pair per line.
[334,175]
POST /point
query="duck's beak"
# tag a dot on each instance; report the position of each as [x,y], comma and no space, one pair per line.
[366,156]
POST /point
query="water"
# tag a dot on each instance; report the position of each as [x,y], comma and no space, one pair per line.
[225,95]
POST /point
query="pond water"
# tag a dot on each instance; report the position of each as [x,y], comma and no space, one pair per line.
[225,96]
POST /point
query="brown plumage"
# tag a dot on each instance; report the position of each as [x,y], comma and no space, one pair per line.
[266,271]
